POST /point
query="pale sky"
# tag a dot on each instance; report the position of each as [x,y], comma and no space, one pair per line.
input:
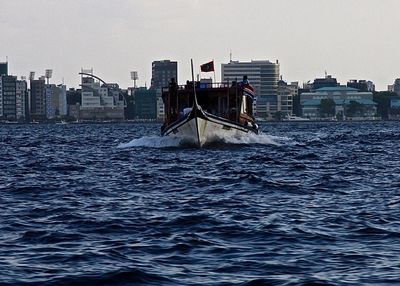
[350,39]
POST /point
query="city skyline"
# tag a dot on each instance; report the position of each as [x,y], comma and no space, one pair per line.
[350,39]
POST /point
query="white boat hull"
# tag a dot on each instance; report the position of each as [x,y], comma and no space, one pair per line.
[201,131]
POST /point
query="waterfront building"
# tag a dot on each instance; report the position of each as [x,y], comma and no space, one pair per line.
[286,94]
[263,76]
[162,72]
[396,86]
[74,101]
[160,106]
[1,97]
[346,104]
[8,97]
[145,103]
[13,98]
[38,99]
[22,100]
[394,110]
[56,101]
[100,100]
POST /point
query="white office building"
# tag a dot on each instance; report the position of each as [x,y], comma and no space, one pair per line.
[263,76]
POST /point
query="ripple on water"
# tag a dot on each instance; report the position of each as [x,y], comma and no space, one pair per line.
[117,204]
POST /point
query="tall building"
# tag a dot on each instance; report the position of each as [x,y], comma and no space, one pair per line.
[38,99]
[22,106]
[286,94]
[74,101]
[56,100]
[162,72]
[264,76]
[13,98]
[145,103]
[1,97]
[4,68]
[8,97]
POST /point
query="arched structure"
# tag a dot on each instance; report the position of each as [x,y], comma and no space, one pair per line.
[108,87]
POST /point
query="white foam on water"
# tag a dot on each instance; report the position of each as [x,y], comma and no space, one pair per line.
[260,138]
[168,141]
[152,142]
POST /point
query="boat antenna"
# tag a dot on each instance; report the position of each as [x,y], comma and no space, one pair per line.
[194,86]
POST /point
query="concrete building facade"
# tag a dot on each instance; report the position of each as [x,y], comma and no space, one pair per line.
[9,97]
[145,103]
[100,101]
[13,98]
[56,101]
[396,86]
[263,76]
[162,72]
[348,104]
[38,99]
[286,94]
[21,95]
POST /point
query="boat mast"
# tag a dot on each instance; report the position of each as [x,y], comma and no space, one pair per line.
[195,104]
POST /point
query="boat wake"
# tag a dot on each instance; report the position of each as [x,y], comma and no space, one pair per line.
[262,139]
[170,142]
[152,142]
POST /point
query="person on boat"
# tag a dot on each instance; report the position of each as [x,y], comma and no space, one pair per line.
[186,111]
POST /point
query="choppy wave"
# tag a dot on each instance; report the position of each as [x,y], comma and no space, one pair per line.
[299,204]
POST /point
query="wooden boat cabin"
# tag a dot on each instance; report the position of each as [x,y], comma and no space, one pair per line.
[231,101]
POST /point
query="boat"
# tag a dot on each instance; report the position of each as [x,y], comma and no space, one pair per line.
[202,112]
[294,118]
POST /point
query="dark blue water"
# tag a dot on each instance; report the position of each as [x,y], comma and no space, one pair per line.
[303,204]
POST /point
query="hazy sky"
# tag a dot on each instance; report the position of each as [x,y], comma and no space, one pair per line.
[350,39]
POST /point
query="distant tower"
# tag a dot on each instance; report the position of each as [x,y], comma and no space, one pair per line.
[48,75]
[134,77]
[32,75]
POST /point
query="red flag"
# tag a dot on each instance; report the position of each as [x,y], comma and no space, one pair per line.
[208,67]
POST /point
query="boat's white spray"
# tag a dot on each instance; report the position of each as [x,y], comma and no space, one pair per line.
[168,142]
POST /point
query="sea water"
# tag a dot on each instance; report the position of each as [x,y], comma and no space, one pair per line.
[116,204]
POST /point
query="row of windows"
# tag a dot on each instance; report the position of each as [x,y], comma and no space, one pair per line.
[8,102]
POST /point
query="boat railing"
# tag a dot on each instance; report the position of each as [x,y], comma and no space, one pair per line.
[201,85]
[205,85]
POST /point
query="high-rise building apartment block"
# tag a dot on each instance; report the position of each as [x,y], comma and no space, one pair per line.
[38,99]
[162,72]
[264,76]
